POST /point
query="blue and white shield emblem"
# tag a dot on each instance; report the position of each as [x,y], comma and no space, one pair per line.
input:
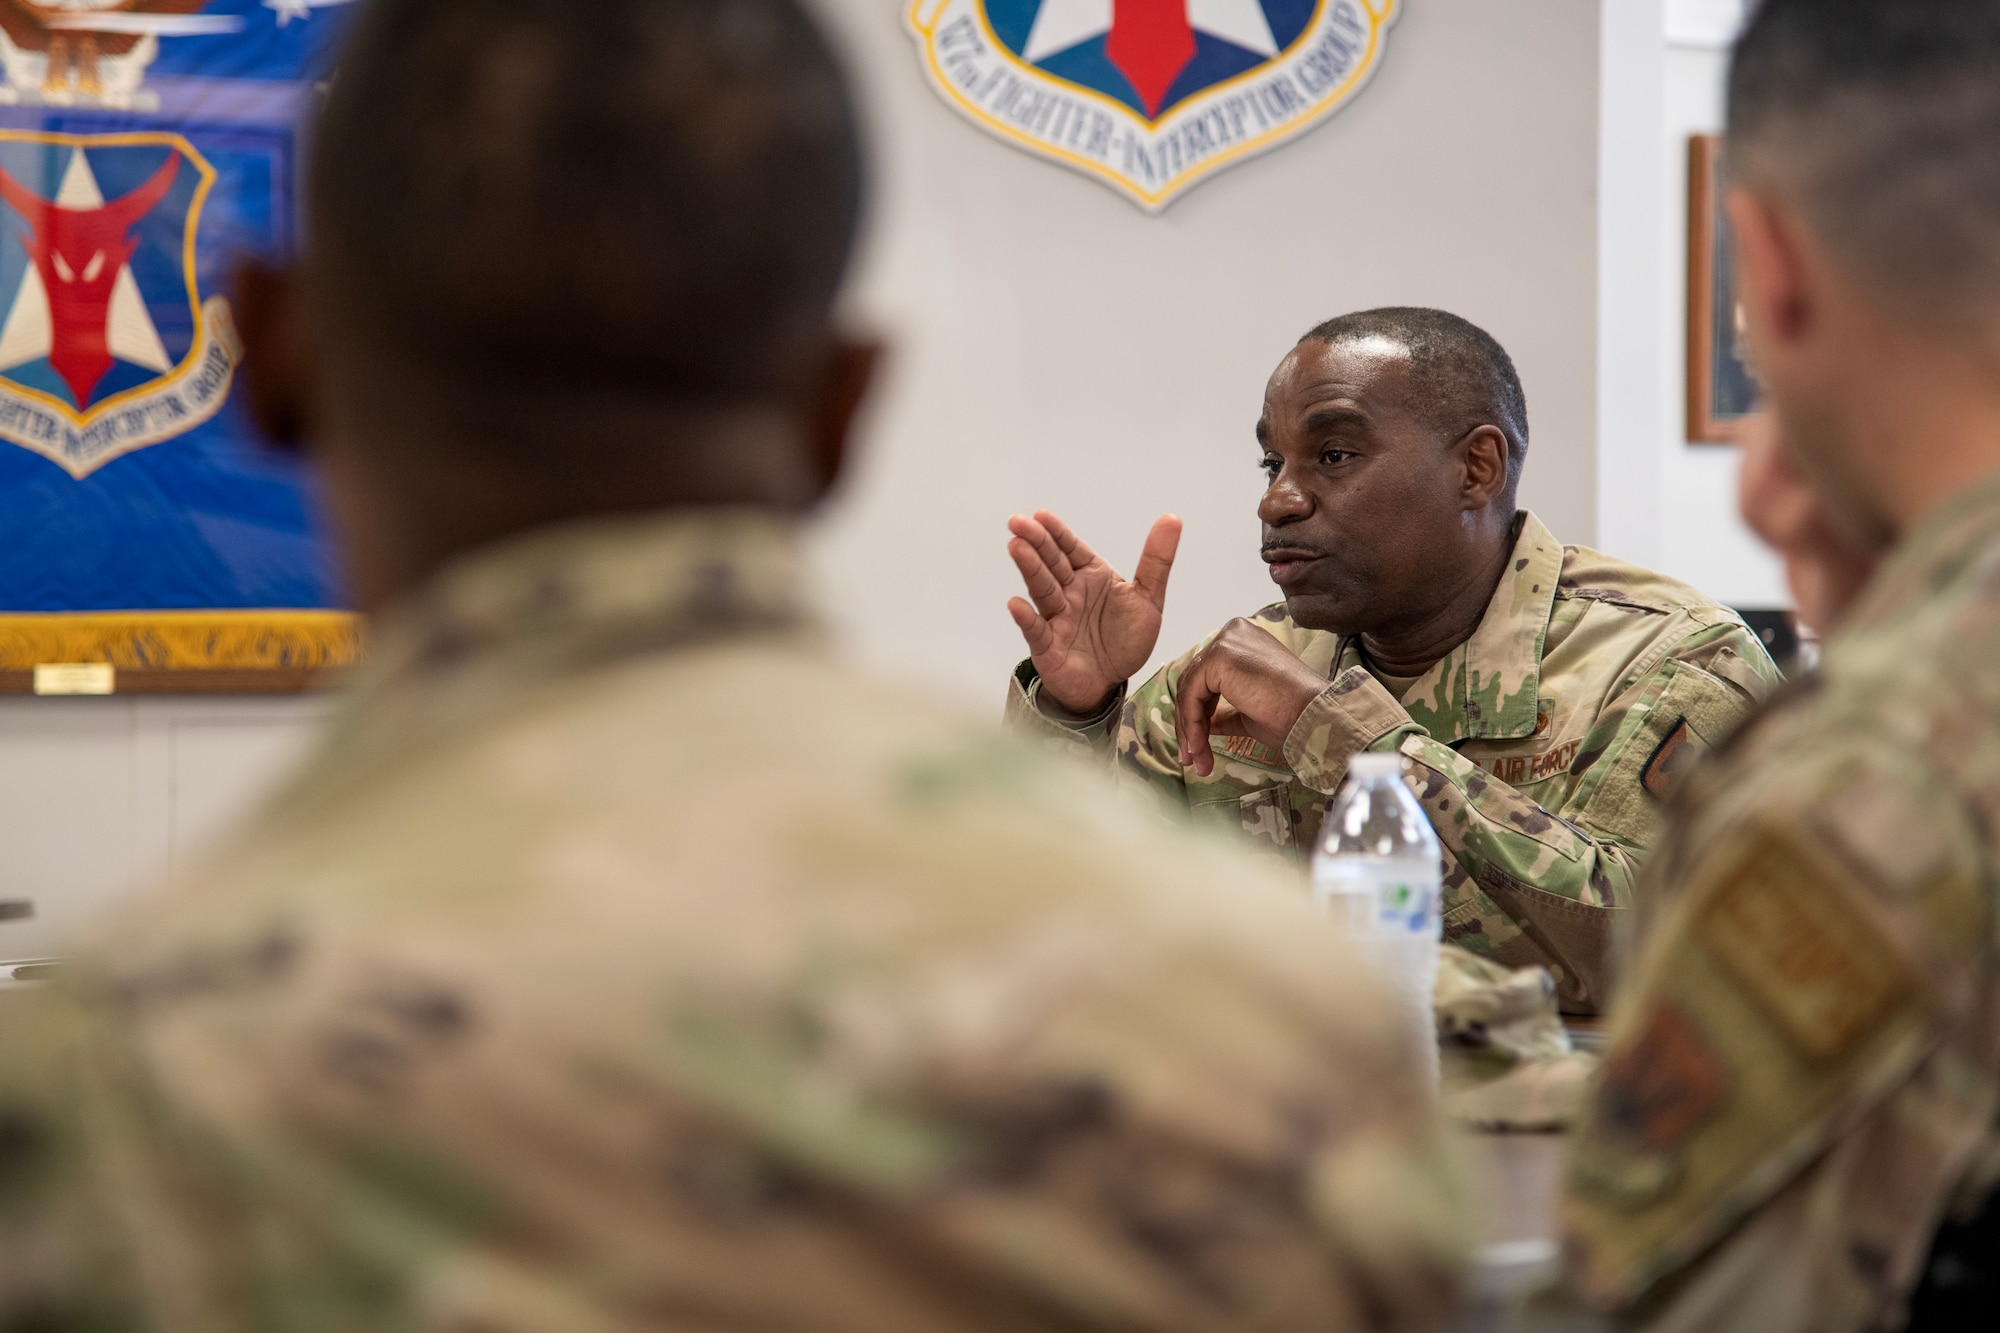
[1149,96]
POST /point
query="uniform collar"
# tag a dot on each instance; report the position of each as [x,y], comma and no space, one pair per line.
[1934,555]
[598,589]
[521,620]
[1489,687]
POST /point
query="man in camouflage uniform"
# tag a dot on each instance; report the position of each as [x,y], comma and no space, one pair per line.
[1796,1125]
[1545,696]
[621,961]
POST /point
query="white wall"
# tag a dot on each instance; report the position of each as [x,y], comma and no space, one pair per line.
[1056,347]
[100,795]
[1701,538]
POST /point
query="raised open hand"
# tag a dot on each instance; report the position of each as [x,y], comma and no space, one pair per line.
[1087,628]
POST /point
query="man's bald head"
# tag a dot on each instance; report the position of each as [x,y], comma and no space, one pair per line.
[650,196]
[1460,376]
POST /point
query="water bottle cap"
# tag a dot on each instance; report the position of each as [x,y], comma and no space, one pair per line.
[1366,766]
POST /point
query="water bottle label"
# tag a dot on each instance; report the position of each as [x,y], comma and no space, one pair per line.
[1405,908]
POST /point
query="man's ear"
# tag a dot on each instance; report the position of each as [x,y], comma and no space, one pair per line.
[848,372]
[1773,278]
[1483,456]
[276,374]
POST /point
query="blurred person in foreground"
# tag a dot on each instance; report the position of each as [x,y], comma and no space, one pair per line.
[1796,1125]
[621,960]
[1545,697]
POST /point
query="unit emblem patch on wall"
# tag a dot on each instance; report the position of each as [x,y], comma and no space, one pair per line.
[1150,96]
[107,345]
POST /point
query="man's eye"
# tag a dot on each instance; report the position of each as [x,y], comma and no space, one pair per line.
[1269,467]
[1334,456]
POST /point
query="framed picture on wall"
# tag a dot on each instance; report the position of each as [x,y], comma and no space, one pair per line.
[1721,391]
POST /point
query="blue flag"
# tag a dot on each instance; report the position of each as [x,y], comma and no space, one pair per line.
[146,146]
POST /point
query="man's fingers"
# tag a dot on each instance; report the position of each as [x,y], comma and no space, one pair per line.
[1041,584]
[1037,536]
[1156,562]
[1033,628]
[1072,545]
[1194,709]
[1228,721]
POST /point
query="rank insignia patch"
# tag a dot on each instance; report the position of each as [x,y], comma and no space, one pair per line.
[1149,96]
[107,343]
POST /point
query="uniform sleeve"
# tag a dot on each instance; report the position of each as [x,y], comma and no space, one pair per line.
[1529,884]
[1133,737]
[1796,1075]
[1091,739]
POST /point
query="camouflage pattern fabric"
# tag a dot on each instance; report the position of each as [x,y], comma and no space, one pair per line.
[1544,1097]
[622,962]
[1506,1059]
[1507,1016]
[1542,747]
[1802,1071]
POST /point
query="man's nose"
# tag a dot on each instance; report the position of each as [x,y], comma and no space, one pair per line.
[1284,502]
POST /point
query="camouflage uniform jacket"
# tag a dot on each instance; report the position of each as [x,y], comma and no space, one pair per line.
[623,962]
[1803,1063]
[1540,747]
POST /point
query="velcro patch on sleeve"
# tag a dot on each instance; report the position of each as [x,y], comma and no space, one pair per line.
[1789,928]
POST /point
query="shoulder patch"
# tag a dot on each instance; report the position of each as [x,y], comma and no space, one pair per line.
[1791,930]
[1670,760]
[1666,1085]
[1655,1094]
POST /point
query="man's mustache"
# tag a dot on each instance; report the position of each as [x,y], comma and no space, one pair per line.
[1293,551]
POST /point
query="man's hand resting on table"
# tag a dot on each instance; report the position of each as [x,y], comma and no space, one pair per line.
[1088,630]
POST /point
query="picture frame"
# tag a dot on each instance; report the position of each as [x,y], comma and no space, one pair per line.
[1721,388]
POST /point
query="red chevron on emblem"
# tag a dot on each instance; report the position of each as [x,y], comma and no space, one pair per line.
[1151,42]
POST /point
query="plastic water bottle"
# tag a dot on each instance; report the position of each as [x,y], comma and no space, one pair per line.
[1376,872]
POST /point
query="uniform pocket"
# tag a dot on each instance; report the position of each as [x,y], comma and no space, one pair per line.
[1266,816]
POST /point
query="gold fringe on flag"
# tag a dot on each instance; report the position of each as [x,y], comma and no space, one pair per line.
[223,640]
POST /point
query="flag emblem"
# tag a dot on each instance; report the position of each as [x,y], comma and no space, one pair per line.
[1149,96]
[107,343]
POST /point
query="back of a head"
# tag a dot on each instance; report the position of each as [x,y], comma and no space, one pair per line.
[1881,119]
[1462,375]
[638,197]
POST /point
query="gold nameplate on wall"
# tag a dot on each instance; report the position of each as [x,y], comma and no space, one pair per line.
[76,678]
